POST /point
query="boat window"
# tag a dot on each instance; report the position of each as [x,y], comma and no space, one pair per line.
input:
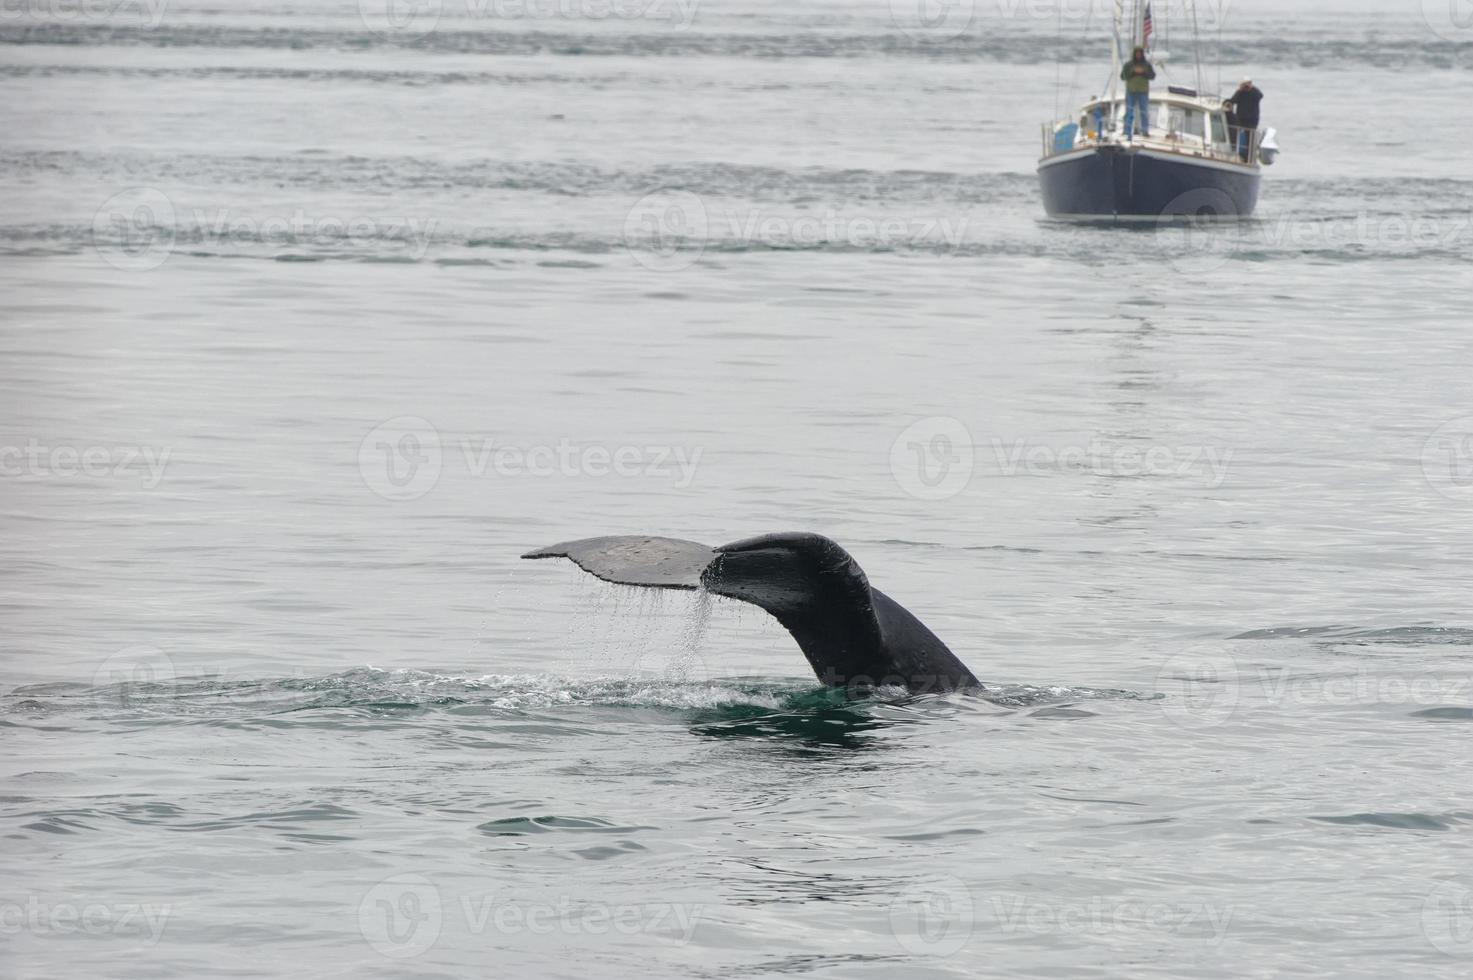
[1187,122]
[1219,128]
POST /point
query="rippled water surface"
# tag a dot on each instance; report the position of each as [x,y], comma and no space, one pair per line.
[311,326]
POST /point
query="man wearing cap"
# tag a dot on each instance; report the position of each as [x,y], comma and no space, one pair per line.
[1245,113]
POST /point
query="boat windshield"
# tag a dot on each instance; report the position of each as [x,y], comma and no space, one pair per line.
[1183,122]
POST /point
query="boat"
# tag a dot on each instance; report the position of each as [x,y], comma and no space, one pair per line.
[1192,164]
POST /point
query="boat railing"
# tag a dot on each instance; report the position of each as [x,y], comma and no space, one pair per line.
[1065,136]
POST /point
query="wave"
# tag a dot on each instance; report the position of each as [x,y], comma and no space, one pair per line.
[1363,635]
[337,172]
[1004,44]
[377,692]
[413,209]
[802,186]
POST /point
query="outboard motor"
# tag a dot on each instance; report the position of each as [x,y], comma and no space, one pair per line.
[1268,146]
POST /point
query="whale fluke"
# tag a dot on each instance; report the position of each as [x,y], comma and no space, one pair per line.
[656,563]
[854,636]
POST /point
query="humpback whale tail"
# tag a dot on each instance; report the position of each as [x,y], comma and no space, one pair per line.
[854,636]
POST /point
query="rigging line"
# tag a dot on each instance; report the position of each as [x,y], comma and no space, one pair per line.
[1074,73]
[1218,90]
[1058,59]
[1197,45]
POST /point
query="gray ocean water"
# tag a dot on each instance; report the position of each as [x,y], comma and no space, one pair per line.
[315,317]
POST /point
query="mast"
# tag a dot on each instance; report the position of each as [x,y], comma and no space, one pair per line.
[1116,61]
[1197,47]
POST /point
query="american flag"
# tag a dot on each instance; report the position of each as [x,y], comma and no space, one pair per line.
[1146,28]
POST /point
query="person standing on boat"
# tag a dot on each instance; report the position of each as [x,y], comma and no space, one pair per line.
[1245,113]
[1137,75]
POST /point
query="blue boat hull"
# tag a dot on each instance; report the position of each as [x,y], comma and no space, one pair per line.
[1114,181]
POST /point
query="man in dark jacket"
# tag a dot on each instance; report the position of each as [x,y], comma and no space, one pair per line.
[1137,75]
[1245,114]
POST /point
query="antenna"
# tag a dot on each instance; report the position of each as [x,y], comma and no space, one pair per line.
[1196,44]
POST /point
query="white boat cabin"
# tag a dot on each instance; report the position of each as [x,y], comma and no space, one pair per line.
[1184,123]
